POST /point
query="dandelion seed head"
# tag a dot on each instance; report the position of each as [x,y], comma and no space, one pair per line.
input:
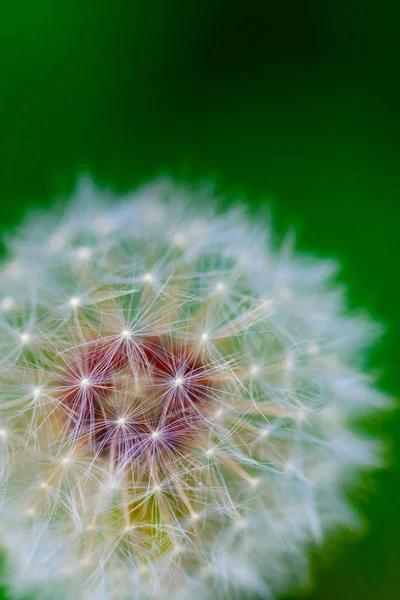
[192,424]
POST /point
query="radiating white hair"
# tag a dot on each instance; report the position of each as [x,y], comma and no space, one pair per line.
[178,401]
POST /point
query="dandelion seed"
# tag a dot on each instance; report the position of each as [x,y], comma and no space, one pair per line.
[74,302]
[312,349]
[83,253]
[25,338]
[179,239]
[289,468]
[86,562]
[254,482]
[240,524]
[288,362]
[7,303]
[301,416]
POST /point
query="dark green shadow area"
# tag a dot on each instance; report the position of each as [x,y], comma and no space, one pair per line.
[294,105]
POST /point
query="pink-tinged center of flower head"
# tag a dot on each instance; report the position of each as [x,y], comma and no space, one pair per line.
[140,404]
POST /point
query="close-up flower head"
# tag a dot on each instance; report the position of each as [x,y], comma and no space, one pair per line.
[179,400]
[199,300]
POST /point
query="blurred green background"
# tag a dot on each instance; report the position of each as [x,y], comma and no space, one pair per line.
[295,103]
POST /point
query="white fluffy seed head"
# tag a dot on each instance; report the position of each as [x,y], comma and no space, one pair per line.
[178,432]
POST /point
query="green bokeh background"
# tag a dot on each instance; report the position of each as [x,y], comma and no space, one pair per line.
[294,104]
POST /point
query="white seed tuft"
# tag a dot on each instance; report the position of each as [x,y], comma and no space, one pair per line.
[25,338]
[74,302]
[7,303]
